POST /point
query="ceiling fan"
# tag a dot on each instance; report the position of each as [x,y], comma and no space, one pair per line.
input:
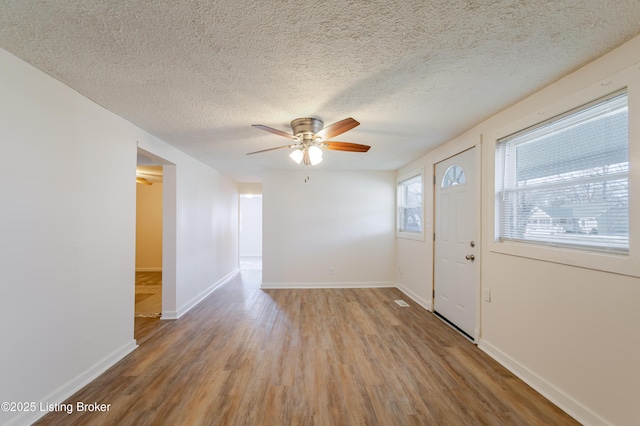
[311,137]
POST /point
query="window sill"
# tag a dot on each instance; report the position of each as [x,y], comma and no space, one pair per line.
[410,235]
[621,264]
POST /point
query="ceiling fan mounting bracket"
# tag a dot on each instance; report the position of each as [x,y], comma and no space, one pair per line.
[306,127]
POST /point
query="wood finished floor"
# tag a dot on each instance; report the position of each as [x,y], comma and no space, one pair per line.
[245,356]
[148,305]
[148,293]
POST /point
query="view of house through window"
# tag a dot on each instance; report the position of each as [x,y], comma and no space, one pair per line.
[410,204]
[565,181]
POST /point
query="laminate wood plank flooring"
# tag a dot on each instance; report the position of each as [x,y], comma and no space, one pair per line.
[148,293]
[246,356]
[145,327]
[148,305]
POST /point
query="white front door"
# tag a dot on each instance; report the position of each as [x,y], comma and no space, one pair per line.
[456,248]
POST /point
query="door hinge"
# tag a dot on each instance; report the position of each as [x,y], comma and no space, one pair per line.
[434,236]
[434,179]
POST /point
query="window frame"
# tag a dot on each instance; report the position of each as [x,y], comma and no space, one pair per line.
[628,265]
[506,169]
[417,235]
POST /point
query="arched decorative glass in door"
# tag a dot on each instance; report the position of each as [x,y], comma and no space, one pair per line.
[453,176]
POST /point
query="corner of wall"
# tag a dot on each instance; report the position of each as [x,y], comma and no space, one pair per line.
[419,300]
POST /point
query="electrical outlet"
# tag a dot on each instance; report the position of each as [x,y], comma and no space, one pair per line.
[332,270]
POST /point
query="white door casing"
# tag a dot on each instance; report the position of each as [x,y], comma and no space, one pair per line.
[456,248]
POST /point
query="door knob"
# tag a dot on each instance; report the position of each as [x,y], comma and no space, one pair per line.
[470,257]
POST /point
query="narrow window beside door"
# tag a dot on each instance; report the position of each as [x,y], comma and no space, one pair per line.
[410,206]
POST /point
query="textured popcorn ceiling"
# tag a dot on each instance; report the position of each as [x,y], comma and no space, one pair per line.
[415,73]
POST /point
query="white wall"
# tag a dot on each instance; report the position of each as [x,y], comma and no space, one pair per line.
[68,235]
[567,323]
[250,188]
[67,226]
[251,226]
[338,220]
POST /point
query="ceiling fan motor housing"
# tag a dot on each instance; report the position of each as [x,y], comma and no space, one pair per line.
[306,126]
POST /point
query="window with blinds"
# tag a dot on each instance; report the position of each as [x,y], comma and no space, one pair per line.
[564,182]
[410,204]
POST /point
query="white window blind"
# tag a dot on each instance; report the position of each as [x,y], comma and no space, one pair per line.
[565,181]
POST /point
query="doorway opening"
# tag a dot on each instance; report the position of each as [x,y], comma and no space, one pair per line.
[155,283]
[148,301]
[250,245]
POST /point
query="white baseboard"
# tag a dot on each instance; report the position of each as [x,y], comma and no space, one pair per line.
[199,298]
[169,315]
[419,300]
[268,286]
[74,385]
[565,402]
[150,269]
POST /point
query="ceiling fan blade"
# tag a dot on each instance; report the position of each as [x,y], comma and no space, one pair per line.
[274,131]
[143,181]
[337,128]
[347,146]
[271,149]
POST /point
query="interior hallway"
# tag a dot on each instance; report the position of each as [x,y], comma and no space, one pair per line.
[316,356]
[251,263]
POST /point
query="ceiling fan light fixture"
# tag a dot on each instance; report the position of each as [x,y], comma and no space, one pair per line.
[296,155]
[315,155]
